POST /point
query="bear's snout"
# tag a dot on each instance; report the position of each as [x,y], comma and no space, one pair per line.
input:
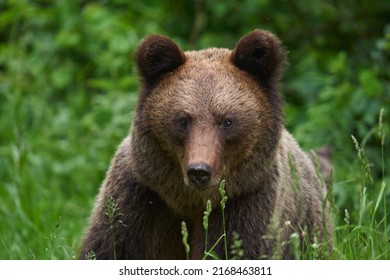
[199,174]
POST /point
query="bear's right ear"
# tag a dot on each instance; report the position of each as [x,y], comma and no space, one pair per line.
[157,55]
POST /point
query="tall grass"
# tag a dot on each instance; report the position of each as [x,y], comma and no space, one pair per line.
[52,161]
[365,233]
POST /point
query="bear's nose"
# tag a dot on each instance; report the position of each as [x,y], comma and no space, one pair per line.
[199,173]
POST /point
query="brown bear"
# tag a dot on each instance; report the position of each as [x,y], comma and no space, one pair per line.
[202,117]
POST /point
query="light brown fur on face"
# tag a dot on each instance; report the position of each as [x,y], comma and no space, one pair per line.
[202,117]
[203,146]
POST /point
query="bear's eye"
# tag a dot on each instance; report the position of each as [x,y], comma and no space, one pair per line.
[228,123]
[183,122]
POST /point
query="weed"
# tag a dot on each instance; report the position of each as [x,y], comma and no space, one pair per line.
[206,224]
[53,239]
[111,210]
[236,250]
[223,204]
[184,233]
[90,255]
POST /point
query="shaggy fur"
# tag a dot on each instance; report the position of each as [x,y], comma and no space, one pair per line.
[204,116]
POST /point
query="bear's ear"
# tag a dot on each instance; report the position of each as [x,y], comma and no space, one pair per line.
[157,55]
[260,54]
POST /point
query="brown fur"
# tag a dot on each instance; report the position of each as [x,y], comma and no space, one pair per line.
[218,109]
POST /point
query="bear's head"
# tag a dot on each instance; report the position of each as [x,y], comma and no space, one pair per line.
[208,115]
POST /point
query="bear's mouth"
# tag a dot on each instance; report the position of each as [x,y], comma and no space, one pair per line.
[202,187]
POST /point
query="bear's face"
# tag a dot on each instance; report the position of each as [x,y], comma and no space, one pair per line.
[211,110]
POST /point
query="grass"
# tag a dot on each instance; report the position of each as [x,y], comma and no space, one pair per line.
[52,161]
[54,155]
[367,237]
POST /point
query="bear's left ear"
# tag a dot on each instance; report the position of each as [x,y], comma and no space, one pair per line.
[260,53]
[157,55]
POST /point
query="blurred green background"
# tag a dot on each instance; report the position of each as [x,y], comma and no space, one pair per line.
[68,88]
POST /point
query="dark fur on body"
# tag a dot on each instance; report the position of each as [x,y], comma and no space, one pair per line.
[148,177]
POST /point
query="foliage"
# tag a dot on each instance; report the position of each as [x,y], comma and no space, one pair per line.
[68,88]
